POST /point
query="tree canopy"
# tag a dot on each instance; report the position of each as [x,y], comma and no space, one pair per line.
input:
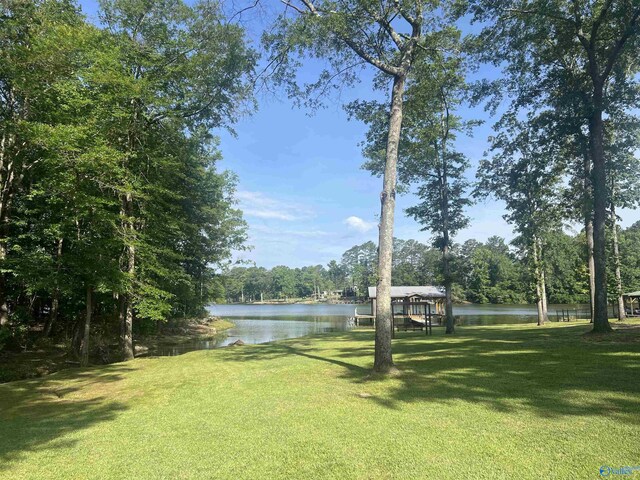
[112,202]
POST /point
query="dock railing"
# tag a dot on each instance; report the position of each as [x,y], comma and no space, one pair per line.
[572,314]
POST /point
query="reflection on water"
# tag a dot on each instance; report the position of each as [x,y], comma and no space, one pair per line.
[260,330]
[266,323]
[173,350]
[319,310]
[506,314]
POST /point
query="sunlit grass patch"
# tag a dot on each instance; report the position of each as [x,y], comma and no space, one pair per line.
[488,402]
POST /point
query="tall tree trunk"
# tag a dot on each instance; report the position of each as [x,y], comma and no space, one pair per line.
[444,196]
[448,305]
[126,310]
[4,307]
[4,238]
[11,175]
[592,268]
[126,331]
[537,273]
[126,316]
[543,284]
[450,327]
[588,223]
[383,361]
[539,304]
[543,289]
[53,316]
[599,183]
[55,301]
[9,178]
[616,259]
[127,207]
[84,349]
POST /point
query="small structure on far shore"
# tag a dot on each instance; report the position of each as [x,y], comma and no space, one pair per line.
[632,303]
[412,307]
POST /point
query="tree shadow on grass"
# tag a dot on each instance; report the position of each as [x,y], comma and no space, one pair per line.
[310,347]
[550,372]
[36,414]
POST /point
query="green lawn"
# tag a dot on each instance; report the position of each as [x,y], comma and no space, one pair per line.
[490,402]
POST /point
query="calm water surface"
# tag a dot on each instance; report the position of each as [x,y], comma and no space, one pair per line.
[266,323]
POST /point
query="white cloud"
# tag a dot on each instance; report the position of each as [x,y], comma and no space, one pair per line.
[265,213]
[358,224]
[277,232]
[307,233]
[257,204]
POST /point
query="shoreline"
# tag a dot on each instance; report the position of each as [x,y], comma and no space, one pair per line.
[196,329]
[48,356]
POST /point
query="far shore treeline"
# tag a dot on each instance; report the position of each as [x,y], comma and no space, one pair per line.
[484,272]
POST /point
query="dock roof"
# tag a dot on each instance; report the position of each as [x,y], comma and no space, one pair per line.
[427,291]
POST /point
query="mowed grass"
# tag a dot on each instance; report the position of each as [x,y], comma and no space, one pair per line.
[490,402]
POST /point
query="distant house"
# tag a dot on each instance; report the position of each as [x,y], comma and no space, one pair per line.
[335,293]
[632,303]
[408,295]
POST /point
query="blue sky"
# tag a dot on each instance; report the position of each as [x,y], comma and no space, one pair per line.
[304,196]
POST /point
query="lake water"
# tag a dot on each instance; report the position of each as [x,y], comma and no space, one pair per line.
[266,323]
[468,314]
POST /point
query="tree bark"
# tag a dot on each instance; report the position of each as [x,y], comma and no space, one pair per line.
[543,288]
[53,316]
[587,206]
[8,178]
[383,361]
[11,176]
[4,238]
[126,310]
[599,183]
[537,272]
[539,305]
[55,301]
[126,327]
[84,349]
[592,268]
[616,259]
[4,307]
[444,188]
[126,317]
[127,208]
[448,305]
[543,284]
